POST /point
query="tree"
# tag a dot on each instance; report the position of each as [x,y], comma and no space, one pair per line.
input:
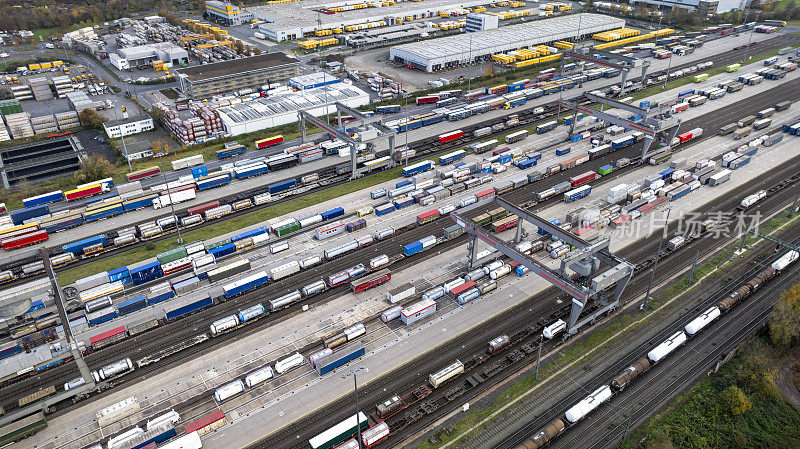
[784,321]
[756,374]
[735,401]
[93,168]
[238,46]
[91,119]
[160,146]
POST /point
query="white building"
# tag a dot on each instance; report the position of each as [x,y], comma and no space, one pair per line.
[263,113]
[169,53]
[482,22]
[127,126]
[452,51]
[703,7]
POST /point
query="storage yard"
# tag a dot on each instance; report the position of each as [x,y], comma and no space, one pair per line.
[248,335]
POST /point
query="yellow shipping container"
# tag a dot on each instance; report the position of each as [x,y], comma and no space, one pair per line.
[337,31]
[329,41]
[47,65]
[308,44]
[58,63]
[34,67]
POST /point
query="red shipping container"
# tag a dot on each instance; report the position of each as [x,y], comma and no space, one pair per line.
[145,173]
[462,288]
[500,151]
[202,208]
[579,180]
[448,137]
[506,226]
[207,423]
[485,194]
[83,193]
[21,241]
[429,99]
[685,136]
[108,337]
[427,216]
[584,230]
[364,284]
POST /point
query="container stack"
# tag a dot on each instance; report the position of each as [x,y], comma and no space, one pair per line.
[45,124]
[210,117]
[41,88]
[385,87]
[22,92]
[20,125]
[67,120]
[63,84]
[4,133]
[80,101]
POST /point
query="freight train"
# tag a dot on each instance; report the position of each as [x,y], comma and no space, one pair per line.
[658,353]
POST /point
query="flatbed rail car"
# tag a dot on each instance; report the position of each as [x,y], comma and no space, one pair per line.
[22,428]
[372,280]
[36,396]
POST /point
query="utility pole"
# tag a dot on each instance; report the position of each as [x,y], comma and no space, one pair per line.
[655,264]
[694,266]
[405,95]
[358,411]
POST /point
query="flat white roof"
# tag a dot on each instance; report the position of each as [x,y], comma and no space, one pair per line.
[489,41]
[418,307]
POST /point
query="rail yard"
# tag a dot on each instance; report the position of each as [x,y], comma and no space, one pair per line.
[403,259]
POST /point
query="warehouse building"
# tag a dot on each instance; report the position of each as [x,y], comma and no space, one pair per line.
[40,160]
[293,20]
[263,113]
[128,126]
[225,13]
[205,81]
[141,55]
[482,22]
[452,51]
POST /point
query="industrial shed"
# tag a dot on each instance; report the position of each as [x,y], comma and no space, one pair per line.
[437,54]
[269,112]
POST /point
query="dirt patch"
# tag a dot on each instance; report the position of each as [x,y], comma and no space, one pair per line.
[787,378]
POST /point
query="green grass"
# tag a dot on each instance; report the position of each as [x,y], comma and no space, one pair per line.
[70,276]
[600,339]
[699,418]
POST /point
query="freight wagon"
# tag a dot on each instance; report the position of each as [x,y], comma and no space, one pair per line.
[268,142]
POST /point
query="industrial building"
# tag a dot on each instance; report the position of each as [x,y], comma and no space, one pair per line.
[312,80]
[140,55]
[128,126]
[226,13]
[294,20]
[205,81]
[389,34]
[40,160]
[482,22]
[263,113]
[452,51]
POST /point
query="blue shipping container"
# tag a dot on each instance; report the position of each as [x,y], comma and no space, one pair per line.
[563,151]
[20,215]
[213,182]
[61,225]
[120,274]
[246,287]
[644,104]
[407,182]
[282,186]
[105,212]
[160,298]
[43,199]
[188,308]
[157,439]
[405,202]
[666,173]
[333,213]
[339,360]
[132,305]
[251,170]
[222,251]
[250,233]
[139,202]
[77,247]
[686,92]
[412,248]
[101,316]
[384,209]
[527,163]
[199,171]
[146,273]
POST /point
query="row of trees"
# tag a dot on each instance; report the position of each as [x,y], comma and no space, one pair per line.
[31,15]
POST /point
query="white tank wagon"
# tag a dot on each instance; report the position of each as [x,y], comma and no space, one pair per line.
[665,348]
[440,377]
[115,369]
[588,404]
[291,362]
[697,324]
[223,325]
[228,390]
[259,376]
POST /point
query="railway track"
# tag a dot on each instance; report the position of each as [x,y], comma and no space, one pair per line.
[151,342]
[425,148]
[509,322]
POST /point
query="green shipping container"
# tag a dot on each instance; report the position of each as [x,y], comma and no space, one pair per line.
[210,246]
[606,169]
[171,255]
[287,229]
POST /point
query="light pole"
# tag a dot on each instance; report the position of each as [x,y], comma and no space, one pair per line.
[655,264]
[469,65]
[405,148]
[750,39]
[358,411]
[169,195]
[125,148]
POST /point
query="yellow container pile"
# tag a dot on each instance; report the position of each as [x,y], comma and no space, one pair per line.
[631,40]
